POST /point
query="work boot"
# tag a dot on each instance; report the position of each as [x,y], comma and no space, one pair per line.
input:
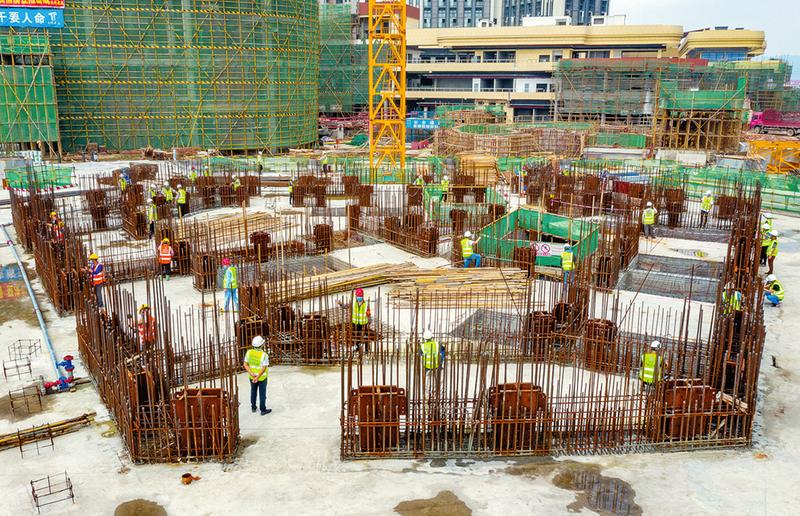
[253,408]
[265,412]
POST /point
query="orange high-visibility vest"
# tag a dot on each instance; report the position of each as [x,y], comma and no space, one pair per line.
[147,329]
[165,254]
[98,274]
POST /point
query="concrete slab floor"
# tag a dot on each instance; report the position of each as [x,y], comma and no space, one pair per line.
[290,463]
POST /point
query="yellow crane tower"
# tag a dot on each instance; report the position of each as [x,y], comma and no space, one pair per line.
[387,87]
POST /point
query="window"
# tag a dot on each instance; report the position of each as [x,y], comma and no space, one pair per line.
[541,87]
[544,59]
[599,54]
[558,55]
[526,87]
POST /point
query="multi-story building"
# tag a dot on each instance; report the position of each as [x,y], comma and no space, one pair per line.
[455,13]
[576,12]
[513,66]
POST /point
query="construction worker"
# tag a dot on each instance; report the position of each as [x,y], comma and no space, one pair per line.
[766,240]
[773,290]
[123,181]
[56,227]
[192,175]
[360,317]
[230,283]
[165,255]
[649,220]
[97,276]
[419,181]
[706,203]
[152,217]
[772,250]
[652,366]
[146,325]
[567,265]
[432,353]
[445,187]
[236,184]
[732,305]
[183,207]
[168,192]
[256,363]
[291,187]
[768,219]
[468,250]
[152,192]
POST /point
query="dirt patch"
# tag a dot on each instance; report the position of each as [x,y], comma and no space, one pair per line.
[534,467]
[443,504]
[139,507]
[18,309]
[247,441]
[318,370]
[23,411]
[596,492]
[107,429]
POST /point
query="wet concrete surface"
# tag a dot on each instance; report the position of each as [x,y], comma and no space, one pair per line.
[446,503]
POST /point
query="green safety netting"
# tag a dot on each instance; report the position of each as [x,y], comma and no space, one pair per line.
[638,141]
[499,238]
[440,211]
[42,177]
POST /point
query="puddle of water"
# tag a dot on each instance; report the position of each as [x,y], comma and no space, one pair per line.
[108,428]
[443,504]
[596,492]
[139,507]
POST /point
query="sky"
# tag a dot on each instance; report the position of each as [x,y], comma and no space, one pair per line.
[777,18]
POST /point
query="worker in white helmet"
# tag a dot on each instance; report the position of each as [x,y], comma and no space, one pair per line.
[649,215]
[256,363]
[468,250]
[706,203]
[445,188]
[431,352]
[652,366]
[773,290]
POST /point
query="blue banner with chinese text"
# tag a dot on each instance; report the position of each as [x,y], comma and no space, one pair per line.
[31,18]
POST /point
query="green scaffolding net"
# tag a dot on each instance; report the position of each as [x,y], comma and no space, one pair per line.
[39,176]
[28,110]
[500,238]
[228,74]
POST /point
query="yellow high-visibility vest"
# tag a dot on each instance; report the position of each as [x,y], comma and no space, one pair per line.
[651,368]
[169,193]
[706,203]
[649,216]
[152,213]
[360,312]
[253,357]
[733,302]
[181,196]
[778,292]
[466,247]
[566,261]
[430,354]
[773,248]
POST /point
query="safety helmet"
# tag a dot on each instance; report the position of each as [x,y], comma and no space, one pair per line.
[53,214]
[427,334]
[708,193]
[446,177]
[359,292]
[180,185]
[567,247]
[143,306]
[649,204]
[771,278]
[773,233]
[226,261]
[768,215]
[655,344]
[166,183]
[149,201]
[765,226]
[165,240]
[93,256]
[258,341]
[468,234]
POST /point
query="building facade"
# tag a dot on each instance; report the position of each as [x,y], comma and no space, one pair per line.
[513,66]
[579,12]
[455,13]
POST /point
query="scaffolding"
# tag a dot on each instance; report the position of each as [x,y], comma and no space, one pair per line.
[29,114]
[336,58]
[231,75]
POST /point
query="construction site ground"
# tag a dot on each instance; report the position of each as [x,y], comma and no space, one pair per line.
[289,460]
